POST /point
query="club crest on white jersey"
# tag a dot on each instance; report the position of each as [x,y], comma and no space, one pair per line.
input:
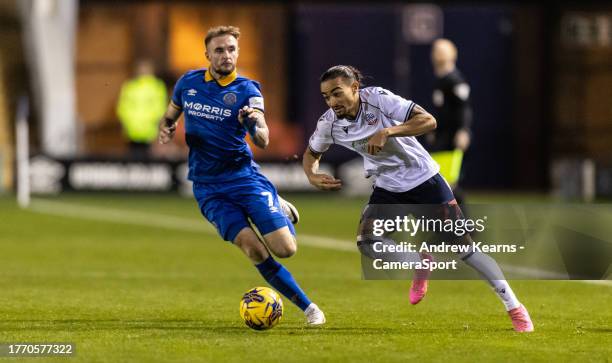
[402,164]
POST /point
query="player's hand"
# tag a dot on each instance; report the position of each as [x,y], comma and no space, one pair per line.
[166,132]
[377,142]
[462,140]
[248,113]
[325,182]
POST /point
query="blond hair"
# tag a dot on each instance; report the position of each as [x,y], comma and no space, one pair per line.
[221,30]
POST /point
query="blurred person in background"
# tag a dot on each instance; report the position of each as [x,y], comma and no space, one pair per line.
[142,102]
[453,112]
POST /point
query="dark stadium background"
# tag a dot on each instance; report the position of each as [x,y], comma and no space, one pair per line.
[541,76]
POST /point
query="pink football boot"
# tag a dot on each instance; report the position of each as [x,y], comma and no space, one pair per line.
[419,282]
[520,319]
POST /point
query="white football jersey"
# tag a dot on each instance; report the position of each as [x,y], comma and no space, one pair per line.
[402,164]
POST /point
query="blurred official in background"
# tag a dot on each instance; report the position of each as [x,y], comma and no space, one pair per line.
[451,98]
[142,102]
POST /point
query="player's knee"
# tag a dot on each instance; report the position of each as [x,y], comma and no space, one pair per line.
[251,247]
[255,251]
[286,250]
[366,248]
[281,243]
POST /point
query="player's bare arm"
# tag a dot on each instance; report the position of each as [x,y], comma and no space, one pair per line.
[419,122]
[310,163]
[255,123]
[167,125]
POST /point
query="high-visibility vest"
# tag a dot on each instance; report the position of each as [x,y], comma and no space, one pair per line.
[450,164]
[142,103]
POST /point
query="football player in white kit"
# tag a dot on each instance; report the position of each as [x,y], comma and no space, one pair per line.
[381,127]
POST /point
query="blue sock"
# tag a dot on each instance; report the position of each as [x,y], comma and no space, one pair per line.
[281,279]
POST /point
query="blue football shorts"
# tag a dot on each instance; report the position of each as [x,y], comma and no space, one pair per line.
[231,204]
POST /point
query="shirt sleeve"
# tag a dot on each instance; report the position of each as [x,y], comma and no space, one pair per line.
[322,138]
[395,107]
[254,97]
[177,94]
[463,109]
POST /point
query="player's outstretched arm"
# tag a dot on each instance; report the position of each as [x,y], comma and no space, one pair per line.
[418,122]
[167,125]
[255,123]
[310,163]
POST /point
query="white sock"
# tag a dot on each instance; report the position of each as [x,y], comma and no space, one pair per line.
[504,292]
[489,270]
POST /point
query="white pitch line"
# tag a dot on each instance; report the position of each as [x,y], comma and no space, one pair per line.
[533,272]
[326,242]
[148,219]
[122,216]
[121,275]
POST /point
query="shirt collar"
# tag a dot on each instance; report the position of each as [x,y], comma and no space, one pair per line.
[223,81]
[358,113]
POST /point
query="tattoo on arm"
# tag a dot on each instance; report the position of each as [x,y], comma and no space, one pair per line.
[418,122]
[317,155]
[417,112]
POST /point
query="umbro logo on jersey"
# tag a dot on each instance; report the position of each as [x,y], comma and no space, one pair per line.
[370,118]
[345,129]
[192,92]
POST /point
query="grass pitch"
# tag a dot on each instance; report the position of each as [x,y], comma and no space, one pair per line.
[145,278]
